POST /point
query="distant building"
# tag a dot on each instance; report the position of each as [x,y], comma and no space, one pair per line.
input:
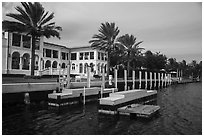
[50,58]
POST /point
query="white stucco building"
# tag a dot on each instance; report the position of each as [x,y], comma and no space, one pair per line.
[50,58]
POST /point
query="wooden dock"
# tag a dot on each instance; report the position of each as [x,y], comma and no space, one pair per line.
[109,105]
[139,110]
[74,96]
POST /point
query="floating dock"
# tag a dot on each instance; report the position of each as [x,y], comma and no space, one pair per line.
[110,105]
[139,110]
[74,96]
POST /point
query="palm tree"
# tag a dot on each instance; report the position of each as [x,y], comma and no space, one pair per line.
[33,20]
[105,40]
[130,47]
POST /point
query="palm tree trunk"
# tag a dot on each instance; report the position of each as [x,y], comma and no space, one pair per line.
[33,56]
[108,64]
[128,68]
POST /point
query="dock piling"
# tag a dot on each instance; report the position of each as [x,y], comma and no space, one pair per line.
[140,79]
[84,95]
[133,79]
[125,78]
[145,79]
[159,80]
[26,98]
[116,78]
[155,79]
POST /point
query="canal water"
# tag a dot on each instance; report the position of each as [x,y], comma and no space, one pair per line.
[180,113]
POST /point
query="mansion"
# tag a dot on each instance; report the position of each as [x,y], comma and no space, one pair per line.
[50,59]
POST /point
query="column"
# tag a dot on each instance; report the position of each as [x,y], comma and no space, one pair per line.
[159,80]
[21,65]
[162,79]
[68,74]
[88,77]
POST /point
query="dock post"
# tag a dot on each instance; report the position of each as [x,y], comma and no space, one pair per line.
[181,75]
[103,79]
[60,78]
[170,78]
[165,79]
[84,95]
[140,79]
[133,79]
[26,98]
[145,79]
[125,78]
[68,75]
[116,78]
[150,74]
[159,80]
[101,91]
[88,77]
[162,79]
[155,79]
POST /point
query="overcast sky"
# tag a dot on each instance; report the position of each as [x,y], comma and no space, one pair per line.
[174,29]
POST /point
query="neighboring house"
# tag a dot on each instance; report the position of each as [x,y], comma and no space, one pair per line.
[50,58]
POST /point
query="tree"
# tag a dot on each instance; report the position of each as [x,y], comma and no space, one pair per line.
[105,40]
[32,20]
[130,48]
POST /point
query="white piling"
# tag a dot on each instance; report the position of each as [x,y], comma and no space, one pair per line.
[101,91]
[125,78]
[159,80]
[162,79]
[140,79]
[155,79]
[150,74]
[133,79]
[145,79]
[103,79]
[68,75]
[84,95]
[26,98]
[116,78]
[165,79]
[88,77]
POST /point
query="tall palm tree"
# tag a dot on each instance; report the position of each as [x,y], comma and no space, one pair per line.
[33,20]
[105,40]
[130,47]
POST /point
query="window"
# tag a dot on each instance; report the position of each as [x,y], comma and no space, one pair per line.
[102,56]
[48,53]
[16,41]
[47,64]
[86,55]
[81,56]
[26,61]
[15,60]
[63,56]
[105,57]
[80,68]
[54,64]
[63,65]
[36,62]
[26,41]
[99,56]
[37,44]
[73,66]
[67,56]
[55,53]
[73,56]
[91,55]
[85,67]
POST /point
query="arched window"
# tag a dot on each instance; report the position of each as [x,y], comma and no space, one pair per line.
[54,64]
[85,67]
[92,67]
[63,65]
[105,68]
[47,64]
[36,62]
[15,60]
[98,67]
[101,68]
[26,61]
[80,68]
[73,66]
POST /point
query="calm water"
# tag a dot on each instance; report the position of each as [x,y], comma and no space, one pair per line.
[180,113]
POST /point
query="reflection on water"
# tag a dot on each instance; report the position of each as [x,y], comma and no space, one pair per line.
[180,113]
